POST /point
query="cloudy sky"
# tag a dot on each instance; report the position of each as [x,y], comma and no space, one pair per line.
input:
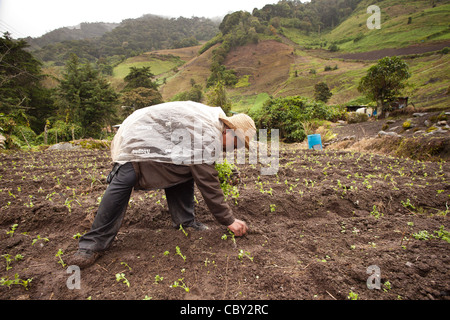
[33,18]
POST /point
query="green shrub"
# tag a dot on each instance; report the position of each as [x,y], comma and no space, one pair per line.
[288,115]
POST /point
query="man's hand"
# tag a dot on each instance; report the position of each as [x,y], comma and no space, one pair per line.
[238,227]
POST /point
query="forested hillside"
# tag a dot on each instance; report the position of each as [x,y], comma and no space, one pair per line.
[133,37]
[82,31]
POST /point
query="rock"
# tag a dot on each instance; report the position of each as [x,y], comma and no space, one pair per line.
[419,114]
[2,141]
[437,131]
[442,123]
[427,123]
[390,121]
[64,146]
[419,132]
[394,128]
[388,134]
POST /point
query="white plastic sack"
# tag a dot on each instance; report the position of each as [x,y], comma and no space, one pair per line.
[182,132]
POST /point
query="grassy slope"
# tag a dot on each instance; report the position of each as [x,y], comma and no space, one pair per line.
[427,24]
[428,84]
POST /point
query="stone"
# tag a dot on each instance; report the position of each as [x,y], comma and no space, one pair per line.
[388,134]
[64,146]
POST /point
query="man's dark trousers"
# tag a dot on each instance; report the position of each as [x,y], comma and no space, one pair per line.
[112,208]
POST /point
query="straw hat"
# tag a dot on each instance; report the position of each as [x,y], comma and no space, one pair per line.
[243,126]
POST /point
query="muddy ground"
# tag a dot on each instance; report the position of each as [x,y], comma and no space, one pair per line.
[315,229]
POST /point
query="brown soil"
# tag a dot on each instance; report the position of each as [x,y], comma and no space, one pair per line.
[267,63]
[316,243]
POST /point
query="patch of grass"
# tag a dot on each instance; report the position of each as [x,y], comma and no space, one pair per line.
[426,24]
[157,66]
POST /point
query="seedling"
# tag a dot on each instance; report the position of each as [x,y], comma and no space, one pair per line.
[13,229]
[376,213]
[408,205]
[59,254]
[121,277]
[158,278]
[443,234]
[180,284]
[422,235]
[233,239]
[352,295]
[17,280]
[387,285]
[273,208]
[37,239]
[182,229]
[243,253]
[177,248]
[126,265]
[77,236]
[9,259]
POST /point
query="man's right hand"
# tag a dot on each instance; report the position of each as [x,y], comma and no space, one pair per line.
[238,227]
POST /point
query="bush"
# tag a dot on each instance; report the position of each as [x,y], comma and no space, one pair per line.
[288,115]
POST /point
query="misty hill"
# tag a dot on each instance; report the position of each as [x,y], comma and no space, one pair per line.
[82,31]
[130,38]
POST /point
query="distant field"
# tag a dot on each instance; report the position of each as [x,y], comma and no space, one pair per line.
[157,66]
[415,22]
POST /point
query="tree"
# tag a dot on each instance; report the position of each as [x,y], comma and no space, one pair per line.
[139,98]
[140,91]
[217,97]
[322,92]
[384,81]
[20,83]
[140,77]
[86,98]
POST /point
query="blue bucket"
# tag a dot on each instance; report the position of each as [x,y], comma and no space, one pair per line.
[315,142]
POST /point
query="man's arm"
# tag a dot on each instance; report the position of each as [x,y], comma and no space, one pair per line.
[206,178]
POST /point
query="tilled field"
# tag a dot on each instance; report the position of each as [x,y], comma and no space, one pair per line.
[316,229]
